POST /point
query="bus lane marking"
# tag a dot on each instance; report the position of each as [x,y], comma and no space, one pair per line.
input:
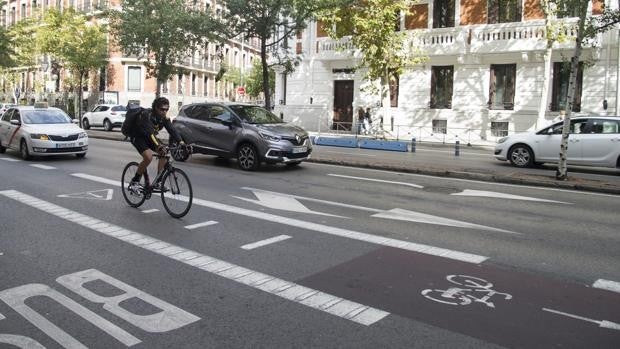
[315,299]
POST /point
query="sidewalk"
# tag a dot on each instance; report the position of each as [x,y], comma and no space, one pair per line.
[607,182]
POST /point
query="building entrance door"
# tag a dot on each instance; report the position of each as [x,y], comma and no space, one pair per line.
[343,105]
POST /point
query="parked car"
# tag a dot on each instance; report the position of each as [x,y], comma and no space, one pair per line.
[106,115]
[5,106]
[249,133]
[593,141]
[40,131]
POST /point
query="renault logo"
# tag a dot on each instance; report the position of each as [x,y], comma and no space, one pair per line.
[297,139]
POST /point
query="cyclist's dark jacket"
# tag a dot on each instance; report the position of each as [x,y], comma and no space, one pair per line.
[148,124]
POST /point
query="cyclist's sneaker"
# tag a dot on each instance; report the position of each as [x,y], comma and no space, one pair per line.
[135,187]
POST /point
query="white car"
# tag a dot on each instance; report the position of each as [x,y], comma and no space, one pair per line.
[41,131]
[592,141]
[106,115]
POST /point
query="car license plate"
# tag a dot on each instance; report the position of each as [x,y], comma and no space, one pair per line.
[298,150]
[65,145]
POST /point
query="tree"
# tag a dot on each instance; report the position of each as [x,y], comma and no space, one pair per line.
[373,26]
[80,45]
[587,29]
[272,22]
[254,82]
[6,49]
[163,32]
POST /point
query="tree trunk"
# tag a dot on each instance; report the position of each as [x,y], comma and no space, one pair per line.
[263,58]
[79,94]
[562,170]
[542,107]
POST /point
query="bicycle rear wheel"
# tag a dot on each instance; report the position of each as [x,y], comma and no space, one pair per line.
[134,197]
[178,195]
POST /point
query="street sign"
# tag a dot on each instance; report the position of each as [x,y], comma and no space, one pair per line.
[241,90]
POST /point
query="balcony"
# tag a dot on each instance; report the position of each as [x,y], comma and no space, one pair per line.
[475,39]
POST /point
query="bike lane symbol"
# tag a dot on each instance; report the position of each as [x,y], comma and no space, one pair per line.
[473,290]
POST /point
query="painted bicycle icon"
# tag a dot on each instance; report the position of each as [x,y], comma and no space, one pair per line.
[472,290]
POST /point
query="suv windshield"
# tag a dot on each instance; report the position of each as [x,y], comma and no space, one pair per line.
[255,115]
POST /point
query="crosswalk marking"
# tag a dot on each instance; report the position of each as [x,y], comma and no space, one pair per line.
[608,285]
[265,242]
[315,299]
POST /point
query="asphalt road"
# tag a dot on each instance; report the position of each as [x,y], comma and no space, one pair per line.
[315,256]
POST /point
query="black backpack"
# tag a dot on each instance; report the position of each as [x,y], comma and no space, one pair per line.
[133,112]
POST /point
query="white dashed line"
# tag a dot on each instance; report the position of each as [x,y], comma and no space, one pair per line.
[265,242]
[10,159]
[150,210]
[43,167]
[200,225]
[376,180]
[315,299]
[608,285]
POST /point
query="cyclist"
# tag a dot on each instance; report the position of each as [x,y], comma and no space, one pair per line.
[144,137]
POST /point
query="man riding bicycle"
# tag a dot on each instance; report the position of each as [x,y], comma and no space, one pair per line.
[144,137]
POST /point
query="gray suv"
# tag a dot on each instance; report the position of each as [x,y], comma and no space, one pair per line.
[249,133]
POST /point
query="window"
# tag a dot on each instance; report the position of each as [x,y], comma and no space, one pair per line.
[605,126]
[504,11]
[134,79]
[193,84]
[218,114]
[441,87]
[440,126]
[394,87]
[499,128]
[561,75]
[199,112]
[205,89]
[180,84]
[502,86]
[443,14]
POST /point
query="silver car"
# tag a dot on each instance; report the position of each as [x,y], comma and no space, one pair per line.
[249,133]
[592,141]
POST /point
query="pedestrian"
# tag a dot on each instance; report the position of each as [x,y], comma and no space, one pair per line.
[360,120]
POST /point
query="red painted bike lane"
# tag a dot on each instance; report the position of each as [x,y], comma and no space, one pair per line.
[499,305]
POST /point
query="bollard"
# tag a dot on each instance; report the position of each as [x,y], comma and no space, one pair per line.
[413,145]
[457,148]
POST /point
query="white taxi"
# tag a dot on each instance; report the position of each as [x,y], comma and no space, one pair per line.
[41,131]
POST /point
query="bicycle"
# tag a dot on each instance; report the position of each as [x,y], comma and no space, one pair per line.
[476,290]
[172,183]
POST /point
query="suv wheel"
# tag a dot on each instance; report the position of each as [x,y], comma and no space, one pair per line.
[85,124]
[107,125]
[247,157]
[23,149]
[2,149]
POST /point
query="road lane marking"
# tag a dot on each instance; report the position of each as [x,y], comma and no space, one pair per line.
[608,285]
[103,194]
[344,233]
[339,152]
[376,180]
[150,210]
[465,180]
[265,242]
[325,302]
[116,183]
[492,194]
[200,225]
[282,202]
[10,159]
[43,167]
[600,323]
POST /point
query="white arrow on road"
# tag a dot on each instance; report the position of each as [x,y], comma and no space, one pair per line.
[492,194]
[406,215]
[601,323]
[103,194]
[282,202]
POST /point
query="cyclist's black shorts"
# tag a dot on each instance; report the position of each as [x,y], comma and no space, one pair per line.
[142,144]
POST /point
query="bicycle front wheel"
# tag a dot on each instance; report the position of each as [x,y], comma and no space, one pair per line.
[178,194]
[134,196]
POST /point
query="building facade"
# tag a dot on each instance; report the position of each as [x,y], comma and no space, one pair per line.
[125,78]
[483,77]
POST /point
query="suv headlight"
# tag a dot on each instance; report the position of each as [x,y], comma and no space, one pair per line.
[39,136]
[502,140]
[269,137]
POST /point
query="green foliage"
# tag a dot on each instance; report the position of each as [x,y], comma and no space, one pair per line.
[272,22]
[254,80]
[372,27]
[162,32]
[22,42]
[6,50]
